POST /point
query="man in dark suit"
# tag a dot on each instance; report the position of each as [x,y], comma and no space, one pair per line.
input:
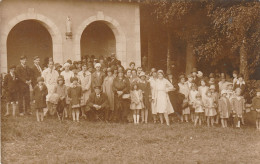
[36,70]
[98,103]
[23,73]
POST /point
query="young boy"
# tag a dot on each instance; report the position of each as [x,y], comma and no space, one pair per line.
[40,92]
[256,107]
[10,86]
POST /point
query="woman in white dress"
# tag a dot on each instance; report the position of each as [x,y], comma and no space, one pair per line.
[85,82]
[160,96]
[152,81]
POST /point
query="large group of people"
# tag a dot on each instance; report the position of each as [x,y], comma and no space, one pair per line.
[102,89]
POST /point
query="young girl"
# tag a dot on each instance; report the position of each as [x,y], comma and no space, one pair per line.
[215,96]
[61,91]
[39,95]
[203,89]
[192,98]
[238,106]
[224,108]
[136,102]
[256,107]
[74,94]
[145,88]
[210,108]
[185,109]
[198,105]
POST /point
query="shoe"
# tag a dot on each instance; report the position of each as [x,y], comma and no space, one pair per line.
[21,114]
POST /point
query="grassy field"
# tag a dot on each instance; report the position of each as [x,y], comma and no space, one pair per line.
[26,141]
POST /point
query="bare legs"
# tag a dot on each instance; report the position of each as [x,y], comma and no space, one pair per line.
[75,114]
[166,117]
[136,116]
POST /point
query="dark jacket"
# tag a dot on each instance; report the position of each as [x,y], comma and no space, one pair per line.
[121,85]
[97,80]
[102,100]
[10,83]
[23,75]
[40,96]
[35,73]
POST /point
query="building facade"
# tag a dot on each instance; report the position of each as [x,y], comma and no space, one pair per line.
[65,29]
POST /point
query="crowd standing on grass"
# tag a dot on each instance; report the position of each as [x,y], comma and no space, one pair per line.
[102,89]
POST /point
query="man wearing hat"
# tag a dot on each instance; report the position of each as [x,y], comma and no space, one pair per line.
[36,70]
[23,73]
[113,61]
[97,77]
[98,102]
[11,88]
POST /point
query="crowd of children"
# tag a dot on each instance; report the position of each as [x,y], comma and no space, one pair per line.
[66,90]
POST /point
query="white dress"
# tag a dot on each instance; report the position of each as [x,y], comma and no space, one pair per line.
[202,91]
[161,97]
[50,79]
[152,82]
[85,82]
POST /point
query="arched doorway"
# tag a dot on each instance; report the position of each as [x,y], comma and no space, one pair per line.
[28,38]
[120,38]
[97,39]
[44,21]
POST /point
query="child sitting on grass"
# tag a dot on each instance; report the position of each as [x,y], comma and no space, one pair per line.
[198,105]
[238,107]
[224,108]
[136,102]
[39,96]
[74,94]
[256,107]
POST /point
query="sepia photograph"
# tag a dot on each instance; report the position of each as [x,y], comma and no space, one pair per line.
[130,81]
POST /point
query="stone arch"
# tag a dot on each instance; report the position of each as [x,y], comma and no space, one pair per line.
[43,20]
[115,27]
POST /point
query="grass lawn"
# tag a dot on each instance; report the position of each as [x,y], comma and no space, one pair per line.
[26,141]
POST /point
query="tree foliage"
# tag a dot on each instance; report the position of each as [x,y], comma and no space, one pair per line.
[217,29]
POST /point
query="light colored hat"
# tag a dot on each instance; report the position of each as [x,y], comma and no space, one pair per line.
[66,65]
[142,74]
[97,65]
[160,71]
[200,74]
[212,87]
[223,91]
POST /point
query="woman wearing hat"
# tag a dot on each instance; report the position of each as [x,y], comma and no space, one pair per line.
[97,77]
[144,86]
[160,97]
[240,84]
[184,88]
[85,82]
[121,89]
[108,90]
[152,82]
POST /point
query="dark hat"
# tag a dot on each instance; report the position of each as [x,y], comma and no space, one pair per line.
[73,79]
[72,67]
[240,75]
[235,72]
[69,61]
[194,70]
[109,70]
[36,57]
[211,75]
[131,63]
[97,87]
[23,57]
[57,65]
[12,66]
[40,79]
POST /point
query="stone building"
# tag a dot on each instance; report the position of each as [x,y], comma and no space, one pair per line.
[40,27]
